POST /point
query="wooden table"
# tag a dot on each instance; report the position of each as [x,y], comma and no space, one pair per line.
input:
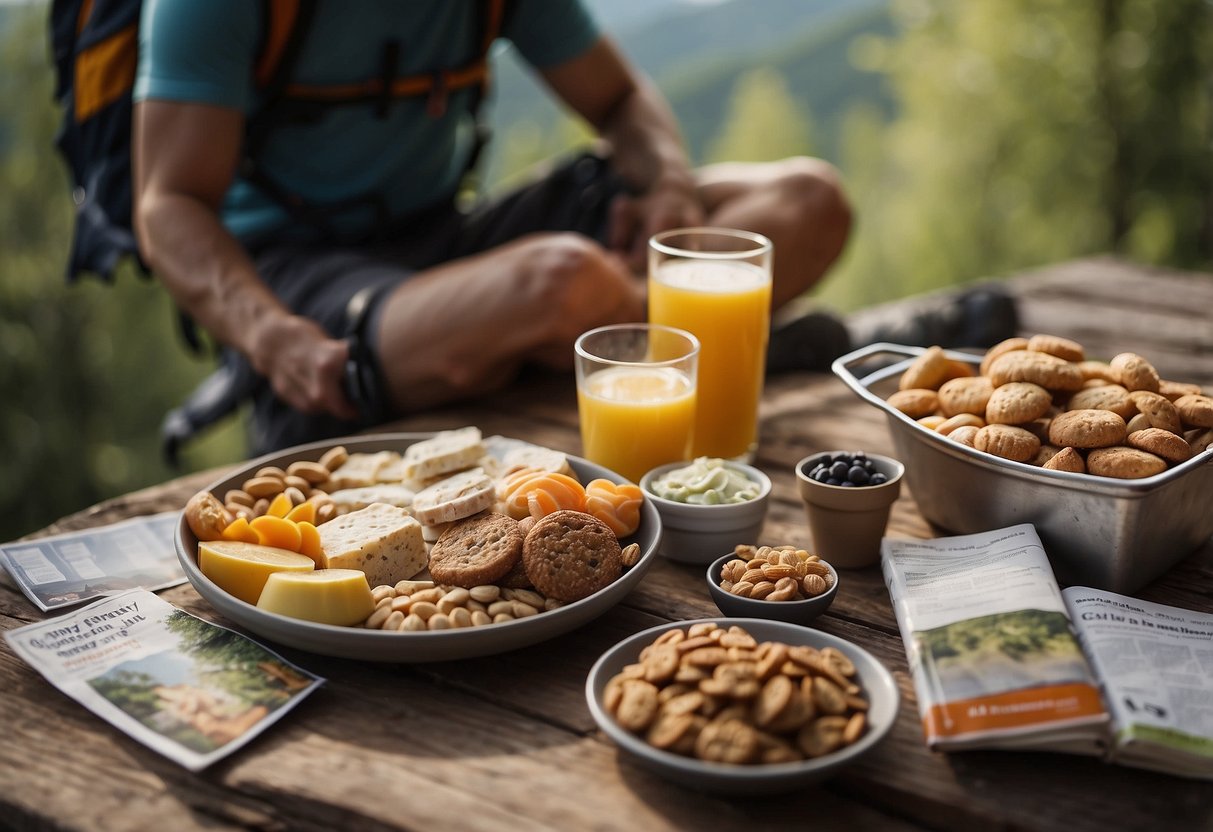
[507,742]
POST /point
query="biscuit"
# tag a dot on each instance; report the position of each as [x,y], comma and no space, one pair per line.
[1174,389]
[1001,348]
[1199,439]
[964,435]
[929,371]
[1017,402]
[206,516]
[1038,427]
[570,555]
[960,420]
[1140,421]
[1195,411]
[1067,459]
[1087,429]
[1045,453]
[1159,411]
[965,395]
[1124,463]
[1135,372]
[932,422]
[1048,371]
[1007,442]
[915,403]
[1098,371]
[475,551]
[1107,396]
[1171,447]
[1058,346]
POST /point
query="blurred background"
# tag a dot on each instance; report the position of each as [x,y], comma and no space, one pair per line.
[976,139]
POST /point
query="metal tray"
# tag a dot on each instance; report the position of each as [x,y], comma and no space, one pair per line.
[1106,533]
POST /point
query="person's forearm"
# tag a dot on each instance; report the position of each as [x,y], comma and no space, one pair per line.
[647,148]
[208,273]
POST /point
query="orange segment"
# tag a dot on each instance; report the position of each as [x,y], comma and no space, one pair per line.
[309,543]
[280,505]
[277,531]
[303,513]
[239,529]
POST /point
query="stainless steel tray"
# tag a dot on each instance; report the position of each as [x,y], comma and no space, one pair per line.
[1111,534]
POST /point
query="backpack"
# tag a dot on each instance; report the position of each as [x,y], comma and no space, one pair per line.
[94,44]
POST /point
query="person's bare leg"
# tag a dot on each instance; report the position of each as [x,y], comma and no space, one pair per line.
[465,327]
[798,203]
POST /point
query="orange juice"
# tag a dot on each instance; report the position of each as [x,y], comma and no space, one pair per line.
[727,306]
[636,418]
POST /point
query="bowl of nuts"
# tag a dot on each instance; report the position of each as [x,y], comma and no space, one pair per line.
[783,583]
[741,706]
[706,506]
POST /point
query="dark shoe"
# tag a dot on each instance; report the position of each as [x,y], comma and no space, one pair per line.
[979,317]
[810,342]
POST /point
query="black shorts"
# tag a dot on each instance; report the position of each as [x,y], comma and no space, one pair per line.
[342,286]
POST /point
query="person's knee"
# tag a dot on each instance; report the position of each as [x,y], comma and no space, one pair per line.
[570,280]
[814,191]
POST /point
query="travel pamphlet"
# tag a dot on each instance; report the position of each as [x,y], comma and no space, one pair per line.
[188,689]
[1001,657]
[71,568]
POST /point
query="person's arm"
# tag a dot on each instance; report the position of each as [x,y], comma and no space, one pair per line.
[185,157]
[647,149]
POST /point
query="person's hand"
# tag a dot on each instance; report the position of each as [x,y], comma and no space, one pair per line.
[305,367]
[670,203]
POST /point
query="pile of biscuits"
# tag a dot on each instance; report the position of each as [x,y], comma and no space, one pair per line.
[1041,401]
[721,696]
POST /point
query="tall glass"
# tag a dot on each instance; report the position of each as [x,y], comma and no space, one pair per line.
[716,283]
[636,396]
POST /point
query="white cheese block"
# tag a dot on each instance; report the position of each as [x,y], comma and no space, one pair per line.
[361,469]
[382,541]
[352,499]
[444,453]
[458,496]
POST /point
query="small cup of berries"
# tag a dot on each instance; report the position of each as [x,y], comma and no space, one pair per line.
[847,497]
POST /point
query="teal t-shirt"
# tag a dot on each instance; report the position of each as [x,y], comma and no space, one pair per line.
[205,52]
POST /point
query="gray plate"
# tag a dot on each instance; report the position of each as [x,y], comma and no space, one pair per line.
[379,646]
[718,778]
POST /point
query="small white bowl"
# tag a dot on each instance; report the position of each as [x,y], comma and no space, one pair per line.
[877,682]
[697,534]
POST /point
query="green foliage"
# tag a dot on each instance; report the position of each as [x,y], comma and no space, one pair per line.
[1020,636]
[764,122]
[88,370]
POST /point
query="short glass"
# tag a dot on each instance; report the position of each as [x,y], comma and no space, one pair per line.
[716,283]
[636,394]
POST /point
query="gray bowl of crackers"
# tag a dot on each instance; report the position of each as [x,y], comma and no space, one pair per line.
[1114,469]
[808,705]
[753,582]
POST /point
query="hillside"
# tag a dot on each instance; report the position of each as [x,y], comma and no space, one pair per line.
[696,52]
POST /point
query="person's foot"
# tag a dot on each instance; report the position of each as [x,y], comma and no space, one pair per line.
[809,342]
[978,317]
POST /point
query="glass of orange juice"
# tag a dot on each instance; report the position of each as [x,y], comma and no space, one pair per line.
[716,284]
[636,395]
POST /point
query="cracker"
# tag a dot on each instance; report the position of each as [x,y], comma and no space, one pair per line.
[1163,443]
[1124,463]
[1007,441]
[570,555]
[1087,429]
[476,551]
[1017,402]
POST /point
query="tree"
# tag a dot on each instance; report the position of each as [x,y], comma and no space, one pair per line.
[763,122]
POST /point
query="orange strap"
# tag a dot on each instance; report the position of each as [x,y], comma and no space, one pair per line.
[412,85]
[105,72]
[282,14]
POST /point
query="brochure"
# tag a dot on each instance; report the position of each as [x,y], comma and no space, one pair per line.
[188,689]
[67,569]
[1002,658]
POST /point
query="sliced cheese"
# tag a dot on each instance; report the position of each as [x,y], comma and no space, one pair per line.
[352,499]
[445,452]
[241,568]
[361,469]
[458,496]
[327,596]
[382,541]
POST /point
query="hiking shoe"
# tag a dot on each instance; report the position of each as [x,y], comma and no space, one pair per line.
[978,317]
[809,342]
